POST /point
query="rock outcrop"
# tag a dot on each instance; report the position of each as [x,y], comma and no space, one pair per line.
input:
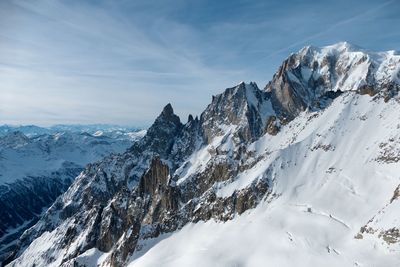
[308,75]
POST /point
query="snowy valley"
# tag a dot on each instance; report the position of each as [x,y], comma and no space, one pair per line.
[38,164]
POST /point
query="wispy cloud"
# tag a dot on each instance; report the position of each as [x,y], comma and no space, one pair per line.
[342,22]
[121,61]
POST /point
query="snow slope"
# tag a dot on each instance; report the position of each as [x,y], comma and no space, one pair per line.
[328,182]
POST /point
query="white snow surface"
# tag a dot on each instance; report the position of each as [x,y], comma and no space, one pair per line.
[22,156]
[353,66]
[327,184]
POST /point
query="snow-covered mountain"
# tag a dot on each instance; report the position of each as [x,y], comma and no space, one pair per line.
[93,129]
[35,170]
[306,77]
[302,173]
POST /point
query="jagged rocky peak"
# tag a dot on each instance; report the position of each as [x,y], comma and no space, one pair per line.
[14,140]
[312,74]
[190,118]
[167,115]
[243,109]
[161,134]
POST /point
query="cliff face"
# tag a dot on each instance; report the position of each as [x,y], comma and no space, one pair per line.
[309,78]
[249,146]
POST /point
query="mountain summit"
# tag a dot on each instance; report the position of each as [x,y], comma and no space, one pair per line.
[308,75]
[303,172]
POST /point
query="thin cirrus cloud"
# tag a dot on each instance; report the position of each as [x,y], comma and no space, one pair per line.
[120,62]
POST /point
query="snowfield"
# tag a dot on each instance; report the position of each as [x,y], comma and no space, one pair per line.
[328,183]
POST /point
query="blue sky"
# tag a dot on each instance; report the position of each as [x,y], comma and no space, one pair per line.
[120,62]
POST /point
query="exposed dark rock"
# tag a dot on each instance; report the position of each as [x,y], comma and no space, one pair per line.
[367,90]
[160,136]
[303,79]
[396,194]
[234,107]
[272,126]
[390,236]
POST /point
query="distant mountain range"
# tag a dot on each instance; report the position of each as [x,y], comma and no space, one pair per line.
[38,164]
[33,130]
